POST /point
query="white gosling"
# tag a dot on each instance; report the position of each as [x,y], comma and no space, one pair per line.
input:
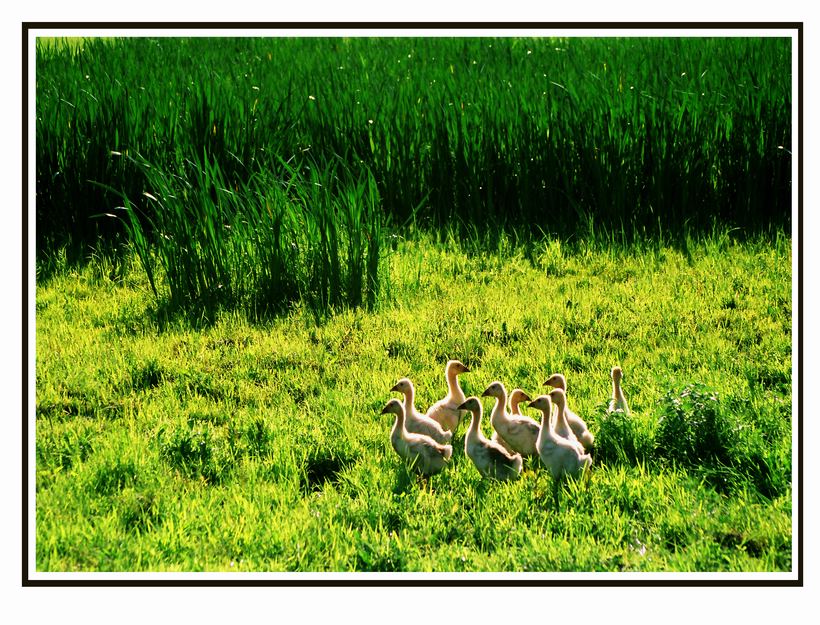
[445,411]
[561,427]
[516,397]
[578,425]
[618,401]
[518,432]
[422,453]
[489,458]
[496,438]
[414,420]
[560,456]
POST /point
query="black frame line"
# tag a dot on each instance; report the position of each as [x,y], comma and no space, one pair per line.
[27,581]
[415,25]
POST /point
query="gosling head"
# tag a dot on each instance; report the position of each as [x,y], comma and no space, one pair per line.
[518,396]
[403,386]
[557,380]
[558,397]
[617,374]
[542,403]
[496,389]
[456,367]
[393,406]
[472,404]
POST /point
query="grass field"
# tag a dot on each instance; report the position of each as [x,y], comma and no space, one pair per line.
[243,243]
[166,444]
[296,158]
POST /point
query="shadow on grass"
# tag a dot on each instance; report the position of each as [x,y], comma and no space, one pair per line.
[320,470]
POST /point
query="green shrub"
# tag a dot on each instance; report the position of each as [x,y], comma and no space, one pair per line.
[722,442]
[694,428]
[113,477]
[140,511]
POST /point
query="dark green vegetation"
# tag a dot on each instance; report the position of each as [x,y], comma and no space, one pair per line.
[247,446]
[260,172]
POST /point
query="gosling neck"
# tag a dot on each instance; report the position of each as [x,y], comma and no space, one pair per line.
[475,424]
[617,393]
[500,406]
[514,401]
[560,420]
[454,388]
[409,401]
[398,427]
[546,418]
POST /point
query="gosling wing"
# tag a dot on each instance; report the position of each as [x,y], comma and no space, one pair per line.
[427,455]
[497,438]
[445,414]
[498,461]
[521,434]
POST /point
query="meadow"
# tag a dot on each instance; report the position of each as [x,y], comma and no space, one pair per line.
[238,256]
[163,446]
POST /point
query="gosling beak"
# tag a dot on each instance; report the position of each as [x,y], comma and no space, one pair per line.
[466,370]
[384,410]
[525,397]
[395,389]
[547,383]
[463,406]
[485,393]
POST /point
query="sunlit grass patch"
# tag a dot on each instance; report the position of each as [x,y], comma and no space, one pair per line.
[255,446]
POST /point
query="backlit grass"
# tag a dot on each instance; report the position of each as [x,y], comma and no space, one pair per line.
[163,444]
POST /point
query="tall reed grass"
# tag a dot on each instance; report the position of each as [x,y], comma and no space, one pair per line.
[615,137]
[295,234]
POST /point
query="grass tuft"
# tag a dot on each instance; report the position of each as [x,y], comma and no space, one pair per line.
[694,427]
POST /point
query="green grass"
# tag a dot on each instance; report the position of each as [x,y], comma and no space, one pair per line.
[314,238]
[258,174]
[627,137]
[165,444]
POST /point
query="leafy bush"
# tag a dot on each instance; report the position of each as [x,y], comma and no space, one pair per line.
[257,438]
[147,375]
[722,441]
[113,477]
[140,511]
[694,428]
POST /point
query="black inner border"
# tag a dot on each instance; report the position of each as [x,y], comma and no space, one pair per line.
[366,581]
